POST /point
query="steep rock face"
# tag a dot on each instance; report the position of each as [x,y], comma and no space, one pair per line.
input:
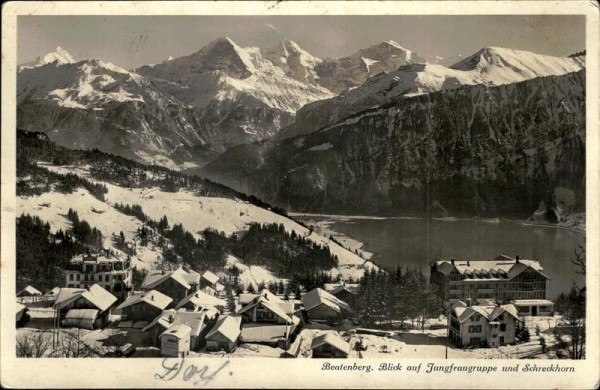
[239,92]
[474,151]
[489,66]
[93,104]
[340,74]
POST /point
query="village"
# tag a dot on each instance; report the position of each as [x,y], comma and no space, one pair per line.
[493,308]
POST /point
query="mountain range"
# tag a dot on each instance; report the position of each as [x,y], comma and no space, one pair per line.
[352,134]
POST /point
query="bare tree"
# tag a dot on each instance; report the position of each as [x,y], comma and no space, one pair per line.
[72,344]
[33,344]
[579,260]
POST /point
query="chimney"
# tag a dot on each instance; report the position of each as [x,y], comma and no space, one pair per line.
[468,263]
[452,261]
[517,258]
[469,302]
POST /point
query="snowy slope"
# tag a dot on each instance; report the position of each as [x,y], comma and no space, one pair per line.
[195,213]
[53,207]
[490,66]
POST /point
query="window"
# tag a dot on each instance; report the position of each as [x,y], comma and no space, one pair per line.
[502,327]
[78,277]
[70,276]
[476,318]
[474,341]
[106,278]
[501,339]
[474,328]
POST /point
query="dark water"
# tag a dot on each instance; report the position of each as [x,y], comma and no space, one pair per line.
[414,242]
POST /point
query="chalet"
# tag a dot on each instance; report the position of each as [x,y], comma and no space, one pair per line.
[144,306]
[266,307]
[22,316]
[322,306]
[209,279]
[199,323]
[345,293]
[482,326]
[175,341]
[175,284]
[502,278]
[199,299]
[104,268]
[268,334]
[29,291]
[96,299]
[225,334]
[53,293]
[329,345]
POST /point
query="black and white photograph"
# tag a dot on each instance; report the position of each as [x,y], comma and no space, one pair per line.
[351,190]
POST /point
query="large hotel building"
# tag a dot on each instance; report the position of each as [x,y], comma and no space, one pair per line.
[505,279]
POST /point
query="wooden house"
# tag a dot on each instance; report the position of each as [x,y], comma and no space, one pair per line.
[144,306]
[175,341]
[330,345]
[225,334]
[175,284]
[320,305]
[95,298]
[482,326]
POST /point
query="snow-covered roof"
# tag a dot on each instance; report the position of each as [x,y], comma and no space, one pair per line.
[96,295]
[29,290]
[490,313]
[210,277]
[178,330]
[54,291]
[200,298]
[152,297]
[319,296]
[339,289]
[20,308]
[228,326]
[156,277]
[194,320]
[528,302]
[67,295]
[271,305]
[332,339]
[500,268]
[264,332]
[87,314]
[165,320]
[99,297]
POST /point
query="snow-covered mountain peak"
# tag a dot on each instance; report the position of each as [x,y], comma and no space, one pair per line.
[393,44]
[59,56]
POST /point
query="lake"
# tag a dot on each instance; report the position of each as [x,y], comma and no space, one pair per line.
[414,242]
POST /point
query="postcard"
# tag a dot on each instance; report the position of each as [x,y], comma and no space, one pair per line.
[300,194]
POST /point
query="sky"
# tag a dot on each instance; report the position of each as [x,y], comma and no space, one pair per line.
[132,41]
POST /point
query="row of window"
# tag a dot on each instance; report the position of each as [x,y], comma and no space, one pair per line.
[505,295]
[90,278]
[477,328]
